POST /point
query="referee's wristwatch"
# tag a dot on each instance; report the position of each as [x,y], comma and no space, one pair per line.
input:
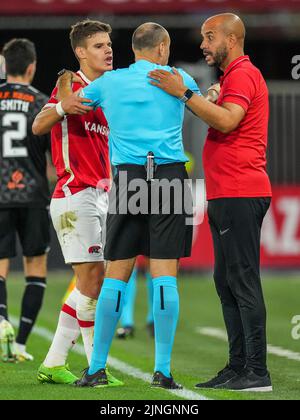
[186,96]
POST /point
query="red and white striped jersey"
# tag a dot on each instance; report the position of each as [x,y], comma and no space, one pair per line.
[79,146]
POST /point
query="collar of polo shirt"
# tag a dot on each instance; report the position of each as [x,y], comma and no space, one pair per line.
[145,64]
[233,64]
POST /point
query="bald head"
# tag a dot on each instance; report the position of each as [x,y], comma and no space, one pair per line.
[151,42]
[228,23]
[148,36]
[223,39]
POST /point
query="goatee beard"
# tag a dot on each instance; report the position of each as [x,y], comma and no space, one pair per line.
[220,56]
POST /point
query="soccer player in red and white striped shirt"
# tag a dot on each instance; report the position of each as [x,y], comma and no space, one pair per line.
[80,201]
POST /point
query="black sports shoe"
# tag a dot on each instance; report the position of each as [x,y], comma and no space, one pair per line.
[125,332]
[150,328]
[161,381]
[222,377]
[98,379]
[248,381]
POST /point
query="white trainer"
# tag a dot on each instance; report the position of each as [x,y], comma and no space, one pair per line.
[7,342]
[22,355]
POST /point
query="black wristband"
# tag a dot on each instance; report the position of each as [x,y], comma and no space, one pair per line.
[187,95]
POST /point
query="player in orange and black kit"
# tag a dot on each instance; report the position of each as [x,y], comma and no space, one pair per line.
[24,191]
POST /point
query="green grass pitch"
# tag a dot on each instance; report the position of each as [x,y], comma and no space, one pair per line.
[195,358]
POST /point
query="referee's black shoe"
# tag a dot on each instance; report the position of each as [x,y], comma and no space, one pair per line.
[125,332]
[161,381]
[98,379]
[247,380]
[222,377]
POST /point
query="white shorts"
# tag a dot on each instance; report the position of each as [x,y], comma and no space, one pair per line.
[80,224]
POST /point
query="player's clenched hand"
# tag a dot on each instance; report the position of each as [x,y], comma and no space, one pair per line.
[73,104]
[64,83]
[77,79]
[71,77]
[171,83]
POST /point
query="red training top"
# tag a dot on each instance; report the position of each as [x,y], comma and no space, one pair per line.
[235,163]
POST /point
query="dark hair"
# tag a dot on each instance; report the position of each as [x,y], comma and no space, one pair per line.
[18,54]
[148,36]
[85,29]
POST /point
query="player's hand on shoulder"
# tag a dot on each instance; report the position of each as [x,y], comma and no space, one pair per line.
[71,102]
[74,104]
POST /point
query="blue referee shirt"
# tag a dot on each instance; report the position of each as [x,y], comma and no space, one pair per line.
[141,117]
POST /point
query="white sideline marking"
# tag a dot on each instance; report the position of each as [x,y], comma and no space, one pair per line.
[274,350]
[118,365]
[279,351]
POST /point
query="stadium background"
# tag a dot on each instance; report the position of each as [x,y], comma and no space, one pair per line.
[273,34]
[273,40]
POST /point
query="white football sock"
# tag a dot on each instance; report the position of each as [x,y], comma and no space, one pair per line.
[20,348]
[85,310]
[66,333]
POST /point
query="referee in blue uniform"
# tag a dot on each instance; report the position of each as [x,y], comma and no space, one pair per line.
[146,145]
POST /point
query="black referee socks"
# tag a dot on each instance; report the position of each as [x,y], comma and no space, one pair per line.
[31,305]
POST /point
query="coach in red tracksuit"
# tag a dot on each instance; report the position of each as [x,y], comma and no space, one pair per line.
[238,193]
